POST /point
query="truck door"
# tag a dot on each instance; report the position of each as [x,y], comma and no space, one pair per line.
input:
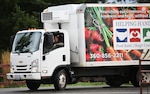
[54,52]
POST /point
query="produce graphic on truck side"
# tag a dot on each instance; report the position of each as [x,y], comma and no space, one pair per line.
[102,19]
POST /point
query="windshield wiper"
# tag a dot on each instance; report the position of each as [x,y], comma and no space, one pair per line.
[31,52]
[17,52]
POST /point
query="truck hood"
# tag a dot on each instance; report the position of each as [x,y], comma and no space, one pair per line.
[22,62]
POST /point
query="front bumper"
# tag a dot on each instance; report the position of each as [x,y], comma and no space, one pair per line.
[24,76]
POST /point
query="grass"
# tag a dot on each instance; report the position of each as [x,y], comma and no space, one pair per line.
[82,84]
[79,84]
[88,84]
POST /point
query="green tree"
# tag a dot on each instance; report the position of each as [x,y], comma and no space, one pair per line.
[18,14]
[22,20]
[6,8]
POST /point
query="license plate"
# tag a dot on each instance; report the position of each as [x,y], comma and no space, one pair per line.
[17,77]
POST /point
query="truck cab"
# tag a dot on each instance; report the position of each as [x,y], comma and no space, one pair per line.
[36,54]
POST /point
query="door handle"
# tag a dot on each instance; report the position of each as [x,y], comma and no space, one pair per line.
[43,58]
[64,57]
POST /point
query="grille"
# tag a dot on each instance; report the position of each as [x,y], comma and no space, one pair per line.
[22,68]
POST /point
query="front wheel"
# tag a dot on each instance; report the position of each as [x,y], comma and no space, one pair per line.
[60,80]
[33,85]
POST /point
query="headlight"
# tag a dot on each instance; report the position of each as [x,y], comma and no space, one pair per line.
[34,66]
[11,68]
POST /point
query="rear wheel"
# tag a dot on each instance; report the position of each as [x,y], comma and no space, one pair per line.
[135,78]
[33,85]
[114,81]
[60,80]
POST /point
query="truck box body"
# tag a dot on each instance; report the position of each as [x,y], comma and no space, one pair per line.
[104,35]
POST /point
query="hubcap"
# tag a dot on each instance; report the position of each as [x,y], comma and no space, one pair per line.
[62,80]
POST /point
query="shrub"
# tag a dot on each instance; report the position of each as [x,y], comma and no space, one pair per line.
[5,59]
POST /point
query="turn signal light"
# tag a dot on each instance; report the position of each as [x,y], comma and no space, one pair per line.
[31,28]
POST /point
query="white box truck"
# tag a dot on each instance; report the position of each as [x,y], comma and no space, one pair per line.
[83,40]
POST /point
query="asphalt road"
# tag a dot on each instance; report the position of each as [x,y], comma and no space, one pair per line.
[78,90]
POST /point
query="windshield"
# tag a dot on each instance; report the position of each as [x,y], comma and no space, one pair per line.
[26,42]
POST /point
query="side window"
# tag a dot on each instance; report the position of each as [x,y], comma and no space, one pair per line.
[48,42]
[52,41]
[58,40]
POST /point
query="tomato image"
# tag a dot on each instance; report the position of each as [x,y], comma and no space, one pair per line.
[96,36]
[87,33]
[94,47]
[87,57]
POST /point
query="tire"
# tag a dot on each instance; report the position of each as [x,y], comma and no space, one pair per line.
[33,85]
[60,80]
[114,81]
[135,78]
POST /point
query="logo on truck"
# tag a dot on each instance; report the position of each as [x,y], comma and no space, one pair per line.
[135,35]
[146,34]
[121,35]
